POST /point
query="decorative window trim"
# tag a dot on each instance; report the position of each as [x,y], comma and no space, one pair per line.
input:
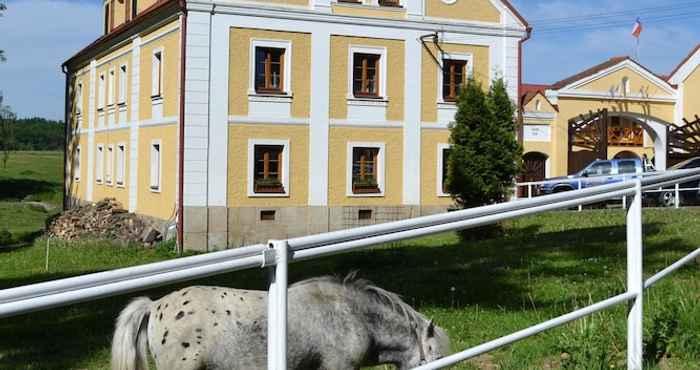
[99,163]
[287,77]
[467,57]
[123,83]
[101,86]
[380,168]
[155,188]
[120,173]
[109,174]
[79,99]
[251,167]
[440,166]
[77,163]
[382,52]
[157,90]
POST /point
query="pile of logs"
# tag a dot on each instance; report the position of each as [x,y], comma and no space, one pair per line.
[106,219]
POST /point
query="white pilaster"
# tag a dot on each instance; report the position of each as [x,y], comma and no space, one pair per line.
[134,128]
[91,132]
[412,123]
[218,112]
[510,69]
[197,74]
[319,122]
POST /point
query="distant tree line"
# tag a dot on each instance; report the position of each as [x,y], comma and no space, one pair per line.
[37,134]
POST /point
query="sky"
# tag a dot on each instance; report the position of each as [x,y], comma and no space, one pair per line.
[38,35]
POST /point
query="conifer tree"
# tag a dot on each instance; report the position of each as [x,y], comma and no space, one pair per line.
[485,155]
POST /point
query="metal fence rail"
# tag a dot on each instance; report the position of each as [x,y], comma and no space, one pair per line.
[278,254]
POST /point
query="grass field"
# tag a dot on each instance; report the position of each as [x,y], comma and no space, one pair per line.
[542,267]
[29,176]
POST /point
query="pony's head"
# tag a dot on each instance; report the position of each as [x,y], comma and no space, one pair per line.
[434,343]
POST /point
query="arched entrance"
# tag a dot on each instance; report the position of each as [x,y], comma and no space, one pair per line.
[626,154]
[534,169]
[587,141]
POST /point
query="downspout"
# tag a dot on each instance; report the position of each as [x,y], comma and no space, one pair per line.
[66,115]
[181,144]
[521,122]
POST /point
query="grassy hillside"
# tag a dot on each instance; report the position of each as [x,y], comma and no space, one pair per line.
[543,267]
[28,177]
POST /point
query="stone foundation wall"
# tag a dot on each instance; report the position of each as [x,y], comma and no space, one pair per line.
[217,228]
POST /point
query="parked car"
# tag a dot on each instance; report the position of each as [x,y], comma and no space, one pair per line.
[600,172]
[668,198]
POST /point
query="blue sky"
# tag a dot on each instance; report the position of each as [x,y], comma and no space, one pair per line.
[38,35]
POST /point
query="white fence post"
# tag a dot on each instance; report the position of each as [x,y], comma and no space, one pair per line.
[580,207]
[277,307]
[529,191]
[677,199]
[635,281]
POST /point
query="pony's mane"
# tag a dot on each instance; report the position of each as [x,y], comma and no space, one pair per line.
[385,297]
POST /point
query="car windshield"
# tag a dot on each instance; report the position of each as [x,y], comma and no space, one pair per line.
[598,169]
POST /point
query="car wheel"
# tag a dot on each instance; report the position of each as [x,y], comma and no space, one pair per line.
[667,199]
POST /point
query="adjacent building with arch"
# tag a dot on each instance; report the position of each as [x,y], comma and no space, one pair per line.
[638,112]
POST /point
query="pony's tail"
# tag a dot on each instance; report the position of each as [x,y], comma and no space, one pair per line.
[130,343]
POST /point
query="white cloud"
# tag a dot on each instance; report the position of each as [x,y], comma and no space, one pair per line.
[38,36]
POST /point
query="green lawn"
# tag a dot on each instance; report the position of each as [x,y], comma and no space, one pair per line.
[28,177]
[543,267]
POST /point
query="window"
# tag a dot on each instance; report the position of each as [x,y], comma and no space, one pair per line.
[134,8]
[122,84]
[454,76]
[155,165]
[106,18]
[626,167]
[269,70]
[267,215]
[365,75]
[365,168]
[79,99]
[268,169]
[101,92]
[443,155]
[110,88]
[110,165]
[538,105]
[157,74]
[121,154]
[599,169]
[394,3]
[100,164]
[364,214]
[76,164]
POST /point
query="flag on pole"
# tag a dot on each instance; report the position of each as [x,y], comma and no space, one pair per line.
[637,30]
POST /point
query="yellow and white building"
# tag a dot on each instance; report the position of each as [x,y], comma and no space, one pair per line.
[251,120]
[642,106]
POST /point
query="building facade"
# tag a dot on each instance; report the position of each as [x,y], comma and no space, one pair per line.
[252,120]
[643,110]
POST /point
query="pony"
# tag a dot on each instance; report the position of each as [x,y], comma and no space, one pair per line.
[333,324]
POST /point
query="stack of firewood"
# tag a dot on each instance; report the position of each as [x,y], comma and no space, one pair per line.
[106,219]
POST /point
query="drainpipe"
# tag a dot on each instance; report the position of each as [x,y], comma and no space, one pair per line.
[66,109]
[181,144]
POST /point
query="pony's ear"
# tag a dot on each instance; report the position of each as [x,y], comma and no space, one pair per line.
[430,330]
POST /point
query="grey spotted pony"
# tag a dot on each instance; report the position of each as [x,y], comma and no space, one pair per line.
[332,325]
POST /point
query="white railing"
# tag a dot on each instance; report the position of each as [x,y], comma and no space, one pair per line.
[276,256]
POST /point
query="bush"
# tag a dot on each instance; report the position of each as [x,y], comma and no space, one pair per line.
[5,237]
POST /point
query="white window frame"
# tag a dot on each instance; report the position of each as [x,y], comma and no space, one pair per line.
[153,186]
[382,52]
[99,163]
[111,86]
[278,44]
[380,168]
[120,165]
[440,166]
[467,57]
[157,69]
[76,164]
[122,85]
[251,167]
[101,86]
[109,173]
